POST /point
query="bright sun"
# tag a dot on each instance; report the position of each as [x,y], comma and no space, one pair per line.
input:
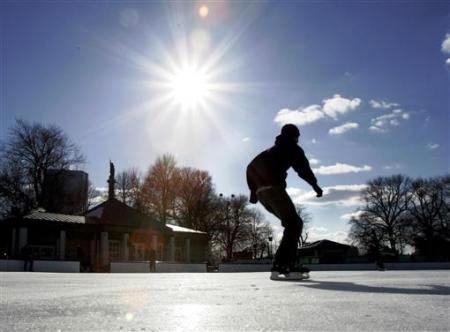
[189,87]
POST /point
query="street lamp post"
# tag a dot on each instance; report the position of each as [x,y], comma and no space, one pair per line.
[270,246]
[229,249]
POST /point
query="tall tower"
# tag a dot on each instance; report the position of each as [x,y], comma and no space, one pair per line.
[111,181]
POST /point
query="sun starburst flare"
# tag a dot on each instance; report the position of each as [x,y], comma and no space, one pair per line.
[189,87]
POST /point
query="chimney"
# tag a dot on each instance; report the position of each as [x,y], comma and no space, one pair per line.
[111,181]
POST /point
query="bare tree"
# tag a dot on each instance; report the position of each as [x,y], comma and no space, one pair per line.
[444,213]
[366,233]
[235,224]
[427,205]
[95,196]
[194,194]
[28,152]
[128,185]
[16,195]
[157,194]
[306,218]
[387,200]
[259,234]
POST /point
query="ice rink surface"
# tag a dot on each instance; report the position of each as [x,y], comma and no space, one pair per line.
[329,301]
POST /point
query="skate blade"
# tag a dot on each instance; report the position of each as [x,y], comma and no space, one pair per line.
[289,276]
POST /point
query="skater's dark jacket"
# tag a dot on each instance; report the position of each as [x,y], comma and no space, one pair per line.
[269,168]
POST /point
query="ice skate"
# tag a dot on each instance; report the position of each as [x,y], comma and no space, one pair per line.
[278,273]
[275,275]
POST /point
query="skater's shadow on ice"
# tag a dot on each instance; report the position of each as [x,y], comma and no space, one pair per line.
[352,287]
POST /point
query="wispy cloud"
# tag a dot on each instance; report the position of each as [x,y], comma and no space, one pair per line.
[348,216]
[376,129]
[342,195]
[343,128]
[393,119]
[392,167]
[382,104]
[432,146]
[331,108]
[340,168]
[445,47]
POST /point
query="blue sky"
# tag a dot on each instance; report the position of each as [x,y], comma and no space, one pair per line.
[367,83]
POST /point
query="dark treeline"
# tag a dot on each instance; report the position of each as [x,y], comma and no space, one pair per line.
[399,211]
[183,196]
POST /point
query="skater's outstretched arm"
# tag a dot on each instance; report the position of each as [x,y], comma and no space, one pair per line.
[304,171]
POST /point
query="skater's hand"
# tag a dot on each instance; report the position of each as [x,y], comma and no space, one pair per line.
[318,191]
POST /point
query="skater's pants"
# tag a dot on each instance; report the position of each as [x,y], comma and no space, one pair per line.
[277,201]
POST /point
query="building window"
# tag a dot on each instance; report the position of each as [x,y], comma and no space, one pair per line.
[43,252]
[114,249]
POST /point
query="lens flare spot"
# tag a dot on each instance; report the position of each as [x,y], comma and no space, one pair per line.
[203,11]
[129,317]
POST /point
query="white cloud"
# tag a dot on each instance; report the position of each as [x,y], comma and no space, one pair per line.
[331,107]
[392,167]
[432,146]
[339,105]
[380,123]
[342,195]
[299,117]
[314,161]
[348,216]
[343,128]
[382,104]
[99,195]
[445,47]
[246,139]
[376,129]
[340,168]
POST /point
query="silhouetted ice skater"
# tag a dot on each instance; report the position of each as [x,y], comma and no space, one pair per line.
[266,178]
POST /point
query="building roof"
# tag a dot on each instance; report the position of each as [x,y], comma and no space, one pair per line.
[321,243]
[47,216]
[180,229]
[115,212]
[111,211]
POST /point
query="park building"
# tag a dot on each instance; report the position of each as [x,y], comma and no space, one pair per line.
[109,237]
[327,252]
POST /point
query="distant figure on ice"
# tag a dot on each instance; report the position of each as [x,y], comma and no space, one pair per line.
[27,256]
[266,178]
